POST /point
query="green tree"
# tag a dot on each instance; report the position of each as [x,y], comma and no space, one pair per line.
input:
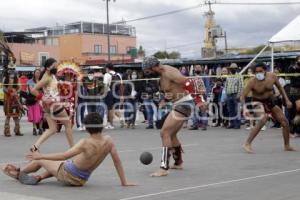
[161,55]
[166,55]
[141,52]
[174,55]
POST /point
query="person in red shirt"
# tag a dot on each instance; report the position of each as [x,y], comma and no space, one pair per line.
[23,82]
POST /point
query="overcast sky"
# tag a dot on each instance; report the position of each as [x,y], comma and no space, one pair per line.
[245,25]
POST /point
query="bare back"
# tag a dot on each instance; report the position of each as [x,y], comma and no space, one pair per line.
[94,152]
[172,86]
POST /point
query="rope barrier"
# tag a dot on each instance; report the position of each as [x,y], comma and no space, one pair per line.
[156,79]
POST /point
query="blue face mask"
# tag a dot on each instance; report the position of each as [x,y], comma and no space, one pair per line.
[260,76]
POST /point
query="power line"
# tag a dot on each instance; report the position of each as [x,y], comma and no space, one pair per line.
[178,46]
[206,3]
[161,14]
[257,3]
[184,45]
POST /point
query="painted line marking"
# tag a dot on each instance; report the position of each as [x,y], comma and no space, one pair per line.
[210,185]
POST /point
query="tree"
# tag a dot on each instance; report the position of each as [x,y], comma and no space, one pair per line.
[166,55]
[161,55]
[141,52]
[174,55]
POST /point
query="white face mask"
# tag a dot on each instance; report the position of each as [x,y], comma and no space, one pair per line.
[134,76]
[260,76]
[91,77]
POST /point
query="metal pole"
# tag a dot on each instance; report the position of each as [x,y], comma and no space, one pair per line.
[108,30]
[272,55]
[252,61]
[226,45]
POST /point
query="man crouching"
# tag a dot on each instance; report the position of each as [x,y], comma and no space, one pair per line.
[75,166]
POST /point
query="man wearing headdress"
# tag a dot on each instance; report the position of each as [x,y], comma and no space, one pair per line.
[12,106]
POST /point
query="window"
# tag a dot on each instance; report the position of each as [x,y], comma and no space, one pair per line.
[113,49]
[43,60]
[43,56]
[97,49]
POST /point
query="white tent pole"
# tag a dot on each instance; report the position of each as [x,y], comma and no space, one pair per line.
[272,55]
[250,63]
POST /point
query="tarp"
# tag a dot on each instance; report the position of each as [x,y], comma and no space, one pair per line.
[290,32]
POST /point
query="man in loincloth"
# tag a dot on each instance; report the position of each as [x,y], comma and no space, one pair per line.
[261,87]
[178,89]
[75,166]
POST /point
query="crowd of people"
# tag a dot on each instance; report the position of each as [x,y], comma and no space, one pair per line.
[125,96]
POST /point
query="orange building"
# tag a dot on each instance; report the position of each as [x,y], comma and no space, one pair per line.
[82,42]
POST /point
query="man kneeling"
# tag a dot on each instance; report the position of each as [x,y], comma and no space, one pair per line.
[74,166]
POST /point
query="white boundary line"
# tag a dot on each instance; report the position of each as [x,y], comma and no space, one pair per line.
[124,151]
[211,185]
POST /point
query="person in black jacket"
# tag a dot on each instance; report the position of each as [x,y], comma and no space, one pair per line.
[294,96]
[151,87]
[131,96]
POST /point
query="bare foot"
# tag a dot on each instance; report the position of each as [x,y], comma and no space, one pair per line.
[11,171]
[159,173]
[289,148]
[248,148]
[178,167]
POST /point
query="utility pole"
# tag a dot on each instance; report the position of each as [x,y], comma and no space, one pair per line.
[108,30]
[226,45]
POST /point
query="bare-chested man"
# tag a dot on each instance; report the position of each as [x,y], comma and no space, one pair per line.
[262,90]
[74,166]
[176,88]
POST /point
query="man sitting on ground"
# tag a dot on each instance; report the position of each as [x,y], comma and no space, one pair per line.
[74,166]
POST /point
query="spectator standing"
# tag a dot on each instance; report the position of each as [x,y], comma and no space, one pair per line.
[131,99]
[81,110]
[114,92]
[277,96]
[199,118]
[23,79]
[150,89]
[216,100]
[233,89]
[294,96]
[35,111]
[249,114]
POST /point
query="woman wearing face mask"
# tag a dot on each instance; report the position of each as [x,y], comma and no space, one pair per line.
[51,104]
[35,112]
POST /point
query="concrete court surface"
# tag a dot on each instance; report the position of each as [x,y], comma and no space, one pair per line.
[216,167]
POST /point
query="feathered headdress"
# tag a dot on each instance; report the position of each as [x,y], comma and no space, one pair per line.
[9,58]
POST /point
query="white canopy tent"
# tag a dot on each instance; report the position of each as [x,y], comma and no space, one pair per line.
[290,32]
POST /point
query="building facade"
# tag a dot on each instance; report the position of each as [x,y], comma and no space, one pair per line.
[82,42]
